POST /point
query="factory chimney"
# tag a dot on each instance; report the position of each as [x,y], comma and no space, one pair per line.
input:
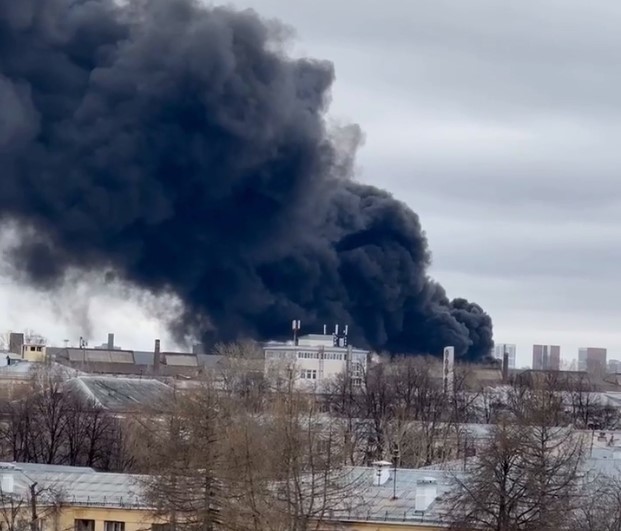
[157,357]
[505,367]
[16,342]
[448,376]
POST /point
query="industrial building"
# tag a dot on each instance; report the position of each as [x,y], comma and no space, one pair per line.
[316,359]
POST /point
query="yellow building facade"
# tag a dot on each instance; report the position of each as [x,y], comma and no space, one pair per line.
[103,519]
[81,499]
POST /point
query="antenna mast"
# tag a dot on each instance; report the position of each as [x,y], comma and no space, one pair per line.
[295,326]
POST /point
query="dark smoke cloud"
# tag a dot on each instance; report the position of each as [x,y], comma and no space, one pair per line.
[179,147]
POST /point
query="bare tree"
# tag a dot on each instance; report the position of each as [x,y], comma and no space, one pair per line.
[343,398]
[600,506]
[241,371]
[527,475]
[183,457]
[217,464]
[288,472]
[53,425]
[25,511]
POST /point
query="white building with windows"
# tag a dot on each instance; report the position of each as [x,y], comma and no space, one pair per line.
[316,359]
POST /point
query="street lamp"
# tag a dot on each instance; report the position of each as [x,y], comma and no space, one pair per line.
[395,460]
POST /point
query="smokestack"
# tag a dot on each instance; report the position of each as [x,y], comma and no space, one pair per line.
[505,367]
[157,357]
[449,369]
[110,341]
[16,343]
[325,329]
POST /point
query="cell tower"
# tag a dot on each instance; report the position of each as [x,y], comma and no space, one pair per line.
[340,340]
[295,326]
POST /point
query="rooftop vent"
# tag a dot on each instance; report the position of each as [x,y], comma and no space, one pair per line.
[381,472]
[426,493]
[7,484]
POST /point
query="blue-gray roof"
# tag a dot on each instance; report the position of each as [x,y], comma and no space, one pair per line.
[74,485]
[122,394]
[368,501]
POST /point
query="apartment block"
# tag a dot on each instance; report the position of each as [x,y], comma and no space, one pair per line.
[592,360]
[546,357]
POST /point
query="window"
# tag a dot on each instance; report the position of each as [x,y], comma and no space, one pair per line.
[114,526]
[84,525]
[39,349]
[162,527]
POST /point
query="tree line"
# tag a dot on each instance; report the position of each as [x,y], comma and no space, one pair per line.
[245,451]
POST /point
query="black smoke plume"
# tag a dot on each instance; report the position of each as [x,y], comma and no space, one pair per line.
[180,147]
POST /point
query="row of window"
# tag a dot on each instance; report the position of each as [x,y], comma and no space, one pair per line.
[315,356]
[287,354]
[89,525]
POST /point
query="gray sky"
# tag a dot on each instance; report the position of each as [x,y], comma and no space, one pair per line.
[499,124]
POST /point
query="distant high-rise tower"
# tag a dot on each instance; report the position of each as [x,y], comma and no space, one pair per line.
[498,352]
[449,369]
[592,359]
[546,357]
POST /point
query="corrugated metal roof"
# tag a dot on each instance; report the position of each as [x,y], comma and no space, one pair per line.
[77,485]
[142,357]
[121,357]
[181,360]
[123,394]
[77,355]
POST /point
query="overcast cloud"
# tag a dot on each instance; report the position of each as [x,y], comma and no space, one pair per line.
[499,124]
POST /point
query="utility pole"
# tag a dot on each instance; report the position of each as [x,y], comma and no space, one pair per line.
[33,507]
[395,460]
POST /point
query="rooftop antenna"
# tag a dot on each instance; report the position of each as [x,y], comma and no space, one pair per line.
[295,326]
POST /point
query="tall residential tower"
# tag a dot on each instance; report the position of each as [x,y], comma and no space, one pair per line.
[546,357]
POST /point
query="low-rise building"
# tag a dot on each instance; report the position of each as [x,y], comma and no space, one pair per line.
[122,394]
[316,359]
[82,499]
[75,498]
